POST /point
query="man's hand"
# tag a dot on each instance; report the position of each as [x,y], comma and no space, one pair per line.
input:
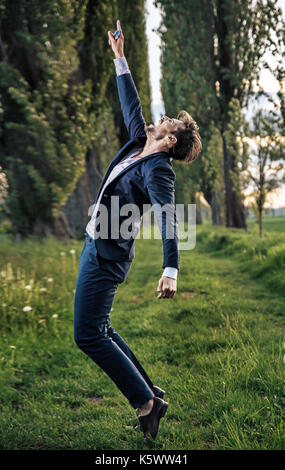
[166,288]
[117,44]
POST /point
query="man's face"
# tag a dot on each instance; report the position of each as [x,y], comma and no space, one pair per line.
[163,129]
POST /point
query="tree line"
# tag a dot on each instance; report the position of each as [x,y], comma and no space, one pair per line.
[212,55]
[60,115]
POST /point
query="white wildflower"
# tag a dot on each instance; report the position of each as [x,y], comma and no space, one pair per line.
[50,279]
[27,308]
[13,347]
[55,315]
[28,287]
[43,289]
[72,252]
[62,253]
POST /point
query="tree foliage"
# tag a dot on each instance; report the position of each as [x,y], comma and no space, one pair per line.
[46,121]
[56,108]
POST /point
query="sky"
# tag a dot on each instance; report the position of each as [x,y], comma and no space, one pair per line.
[153,19]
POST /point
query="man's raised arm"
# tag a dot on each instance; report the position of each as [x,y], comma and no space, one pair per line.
[129,98]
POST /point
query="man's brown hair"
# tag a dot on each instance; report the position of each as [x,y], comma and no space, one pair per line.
[189,144]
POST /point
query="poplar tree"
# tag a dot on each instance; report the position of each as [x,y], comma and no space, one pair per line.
[59,124]
[96,64]
[46,124]
[212,51]
[266,173]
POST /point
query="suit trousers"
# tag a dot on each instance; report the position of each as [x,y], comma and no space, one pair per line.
[96,285]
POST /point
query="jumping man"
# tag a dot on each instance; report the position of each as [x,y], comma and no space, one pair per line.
[141,173]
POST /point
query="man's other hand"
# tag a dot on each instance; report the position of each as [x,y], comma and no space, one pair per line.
[166,288]
[117,44]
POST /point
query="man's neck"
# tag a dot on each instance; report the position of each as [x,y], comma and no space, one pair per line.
[149,149]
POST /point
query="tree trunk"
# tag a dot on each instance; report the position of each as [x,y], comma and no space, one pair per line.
[260,214]
[61,228]
[216,209]
[198,210]
[78,204]
[235,216]
[260,223]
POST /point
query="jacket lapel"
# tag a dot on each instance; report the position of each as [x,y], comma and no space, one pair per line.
[136,161]
[137,141]
[120,155]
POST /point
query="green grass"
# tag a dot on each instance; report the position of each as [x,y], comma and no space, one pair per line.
[217,348]
[270,224]
[263,258]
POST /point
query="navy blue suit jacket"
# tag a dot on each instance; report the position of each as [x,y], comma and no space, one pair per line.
[149,180]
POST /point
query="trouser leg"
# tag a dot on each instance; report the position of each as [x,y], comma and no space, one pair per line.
[93,301]
[100,347]
[124,347]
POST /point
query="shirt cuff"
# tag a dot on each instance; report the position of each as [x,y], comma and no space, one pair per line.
[170,272]
[121,66]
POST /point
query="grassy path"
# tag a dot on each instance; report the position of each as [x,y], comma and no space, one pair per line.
[216,348]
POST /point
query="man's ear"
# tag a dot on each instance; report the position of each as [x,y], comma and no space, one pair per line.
[172,139]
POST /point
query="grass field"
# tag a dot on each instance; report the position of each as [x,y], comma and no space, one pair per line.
[216,348]
[270,224]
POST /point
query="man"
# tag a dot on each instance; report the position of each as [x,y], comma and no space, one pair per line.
[141,173]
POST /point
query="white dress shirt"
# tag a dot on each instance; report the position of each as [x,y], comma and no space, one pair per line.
[91,226]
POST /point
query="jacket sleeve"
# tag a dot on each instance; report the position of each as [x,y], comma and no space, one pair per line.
[129,99]
[159,182]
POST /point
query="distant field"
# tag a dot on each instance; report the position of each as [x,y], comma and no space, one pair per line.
[270,224]
[216,348]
